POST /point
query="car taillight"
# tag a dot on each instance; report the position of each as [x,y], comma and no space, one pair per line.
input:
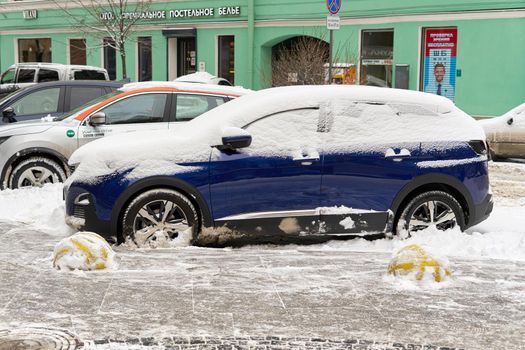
[479,146]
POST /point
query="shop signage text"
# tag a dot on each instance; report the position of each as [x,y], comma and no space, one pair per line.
[30,14]
[184,13]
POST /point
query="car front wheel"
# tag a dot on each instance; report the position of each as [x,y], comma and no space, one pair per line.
[36,172]
[160,218]
[430,209]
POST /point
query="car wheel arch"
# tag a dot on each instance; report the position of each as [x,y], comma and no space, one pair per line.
[27,153]
[159,182]
[432,182]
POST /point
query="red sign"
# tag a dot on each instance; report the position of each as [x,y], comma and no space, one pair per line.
[439,62]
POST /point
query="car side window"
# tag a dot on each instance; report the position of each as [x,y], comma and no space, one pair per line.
[290,133]
[26,76]
[9,76]
[39,102]
[80,95]
[47,75]
[190,106]
[88,75]
[146,108]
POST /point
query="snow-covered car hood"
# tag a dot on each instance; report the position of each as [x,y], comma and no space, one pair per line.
[27,127]
[153,152]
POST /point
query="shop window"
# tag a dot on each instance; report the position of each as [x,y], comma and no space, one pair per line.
[226,57]
[77,51]
[110,58]
[186,56]
[376,57]
[34,50]
[144,61]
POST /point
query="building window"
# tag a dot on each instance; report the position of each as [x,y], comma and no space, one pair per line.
[34,50]
[376,57]
[110,58]
[227,57]
[77,51]
[144,61]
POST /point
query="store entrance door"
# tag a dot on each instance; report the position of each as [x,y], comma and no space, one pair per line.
[182,52]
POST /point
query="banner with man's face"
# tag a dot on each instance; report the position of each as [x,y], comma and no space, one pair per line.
[439,63]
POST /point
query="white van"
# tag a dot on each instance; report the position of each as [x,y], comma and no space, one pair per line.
[23,74]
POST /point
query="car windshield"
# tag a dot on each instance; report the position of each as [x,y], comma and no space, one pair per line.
[88,104]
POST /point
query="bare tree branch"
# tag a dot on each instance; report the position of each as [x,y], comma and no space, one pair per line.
[106,19]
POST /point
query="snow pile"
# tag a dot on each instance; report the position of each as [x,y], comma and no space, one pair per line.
[42,208]
[85,251]
[414,263]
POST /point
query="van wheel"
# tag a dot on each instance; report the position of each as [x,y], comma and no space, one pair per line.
[159,218]
[36,172]
[433,208]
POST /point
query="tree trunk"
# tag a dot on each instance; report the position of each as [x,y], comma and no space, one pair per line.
[123,60]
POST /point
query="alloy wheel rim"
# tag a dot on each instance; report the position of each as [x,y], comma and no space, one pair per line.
[157,221]
[432,213]
[36,177]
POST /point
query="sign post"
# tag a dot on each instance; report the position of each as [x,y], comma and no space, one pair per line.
[333,22]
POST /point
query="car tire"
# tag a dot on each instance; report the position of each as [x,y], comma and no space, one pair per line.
[36,172]
[447,213]
[159,218]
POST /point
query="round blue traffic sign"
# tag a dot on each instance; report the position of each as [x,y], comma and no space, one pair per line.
[333,6]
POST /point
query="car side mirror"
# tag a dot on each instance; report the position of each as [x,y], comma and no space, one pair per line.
[510,121]
[8,112]
[97,119]
[235,138]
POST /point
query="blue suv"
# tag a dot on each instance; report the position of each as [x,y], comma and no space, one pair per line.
[288,162]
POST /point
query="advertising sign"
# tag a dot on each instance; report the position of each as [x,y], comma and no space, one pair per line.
[439,62]
[333,6]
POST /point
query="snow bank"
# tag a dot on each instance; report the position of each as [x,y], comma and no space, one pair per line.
[84,251]
[42,208]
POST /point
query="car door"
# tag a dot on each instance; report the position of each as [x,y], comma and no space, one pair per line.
[186,106]
[273,185]
[138,112]
[38,103]
[511,136]
[363,169]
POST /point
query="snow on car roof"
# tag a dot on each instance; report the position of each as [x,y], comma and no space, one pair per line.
[212,88]
[198,77]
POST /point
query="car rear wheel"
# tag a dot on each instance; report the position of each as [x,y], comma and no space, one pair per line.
[36,172]
[159,218]
[430,209]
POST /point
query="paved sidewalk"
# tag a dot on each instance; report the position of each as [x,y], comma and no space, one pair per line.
[295,297]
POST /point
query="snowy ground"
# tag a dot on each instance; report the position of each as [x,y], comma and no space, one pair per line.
[288,296]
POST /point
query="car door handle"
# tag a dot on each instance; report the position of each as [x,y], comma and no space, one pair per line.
[306,160]
[403,153]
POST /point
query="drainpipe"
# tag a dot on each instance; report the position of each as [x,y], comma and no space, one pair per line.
[251,30]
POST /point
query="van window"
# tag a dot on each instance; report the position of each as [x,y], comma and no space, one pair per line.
[9,76]
[47,75]
[88,75]
[26,76]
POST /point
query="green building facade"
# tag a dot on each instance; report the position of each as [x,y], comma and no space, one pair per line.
[386,42]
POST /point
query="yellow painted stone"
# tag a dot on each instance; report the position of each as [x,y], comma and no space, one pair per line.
[414,259]
[83,251]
